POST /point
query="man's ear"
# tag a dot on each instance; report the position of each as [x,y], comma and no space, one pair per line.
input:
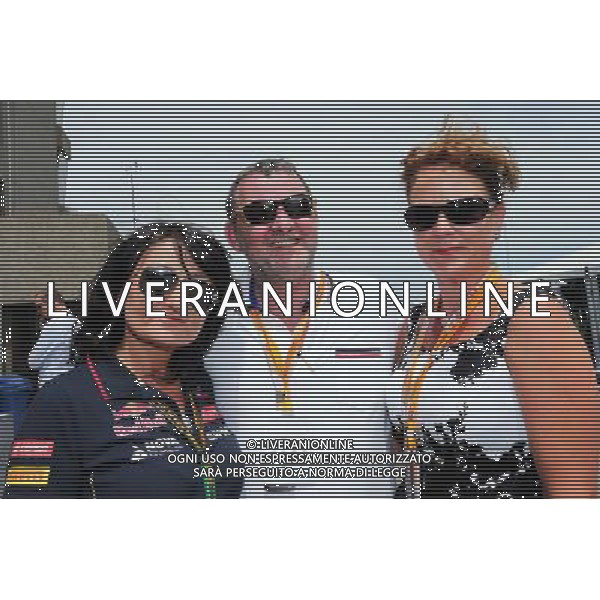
[231,236]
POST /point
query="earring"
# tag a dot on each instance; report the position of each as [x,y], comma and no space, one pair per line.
[105,331]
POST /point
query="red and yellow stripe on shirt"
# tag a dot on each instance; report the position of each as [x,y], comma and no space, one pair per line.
[22,448]
[28,475]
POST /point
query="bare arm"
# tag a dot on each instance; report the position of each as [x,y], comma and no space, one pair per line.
[557,388]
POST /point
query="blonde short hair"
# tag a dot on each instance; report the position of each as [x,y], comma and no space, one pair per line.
[469,149]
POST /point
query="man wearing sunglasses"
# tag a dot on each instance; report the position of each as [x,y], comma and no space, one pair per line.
[272,220]
[298,377]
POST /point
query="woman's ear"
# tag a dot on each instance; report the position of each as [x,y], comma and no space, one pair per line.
[498,218]
[232,236]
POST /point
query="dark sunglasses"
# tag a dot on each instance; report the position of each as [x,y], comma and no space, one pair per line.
[462,211]
[296,207]
[169,279]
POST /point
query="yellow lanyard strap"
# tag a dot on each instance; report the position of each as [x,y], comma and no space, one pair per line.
[283,366]
[415,376]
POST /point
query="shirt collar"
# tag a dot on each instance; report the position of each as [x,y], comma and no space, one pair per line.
[120,382]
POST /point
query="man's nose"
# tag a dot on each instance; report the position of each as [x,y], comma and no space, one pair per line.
[282,219]
[172,297]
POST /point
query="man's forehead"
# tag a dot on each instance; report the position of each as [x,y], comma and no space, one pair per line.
[273,186]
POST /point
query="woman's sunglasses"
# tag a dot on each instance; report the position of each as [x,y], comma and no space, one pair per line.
[169,279]
[462,211]
[296,207]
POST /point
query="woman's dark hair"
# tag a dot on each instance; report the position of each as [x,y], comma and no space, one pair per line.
[101,332]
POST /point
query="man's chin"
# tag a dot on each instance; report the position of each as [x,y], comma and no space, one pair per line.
[288,270]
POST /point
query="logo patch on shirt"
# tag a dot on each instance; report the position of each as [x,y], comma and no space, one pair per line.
[212,435]
[210,414]
[22,448]
[135,418]
[358,353]
[155,448]
[29,475]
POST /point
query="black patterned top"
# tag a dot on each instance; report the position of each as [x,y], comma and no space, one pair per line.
[469,419]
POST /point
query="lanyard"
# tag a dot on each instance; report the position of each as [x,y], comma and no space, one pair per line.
[416,374]
[283,364]
[175,421]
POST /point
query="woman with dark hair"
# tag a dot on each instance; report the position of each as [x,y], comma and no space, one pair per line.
[137,418]
[507,405]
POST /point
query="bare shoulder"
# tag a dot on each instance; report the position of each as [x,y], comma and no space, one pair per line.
[524,322]
[553,334]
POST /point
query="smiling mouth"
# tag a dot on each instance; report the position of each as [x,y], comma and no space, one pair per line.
[176,318]
[285,242]
[447,250]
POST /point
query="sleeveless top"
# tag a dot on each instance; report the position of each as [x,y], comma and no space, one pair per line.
[469,419]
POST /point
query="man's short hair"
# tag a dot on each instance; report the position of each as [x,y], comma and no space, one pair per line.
[264,167]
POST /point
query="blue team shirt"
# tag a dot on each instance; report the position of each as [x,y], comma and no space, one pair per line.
[74,444]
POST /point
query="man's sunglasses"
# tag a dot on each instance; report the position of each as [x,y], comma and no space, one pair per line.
[169,279]
[462,211]
[296,207]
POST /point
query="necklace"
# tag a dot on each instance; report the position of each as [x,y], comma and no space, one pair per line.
[419,367]
[197,441]
[282,365]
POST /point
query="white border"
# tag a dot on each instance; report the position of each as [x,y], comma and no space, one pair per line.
[308,50]
[301,549]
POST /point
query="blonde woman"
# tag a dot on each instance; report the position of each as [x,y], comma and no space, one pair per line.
[507,406]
